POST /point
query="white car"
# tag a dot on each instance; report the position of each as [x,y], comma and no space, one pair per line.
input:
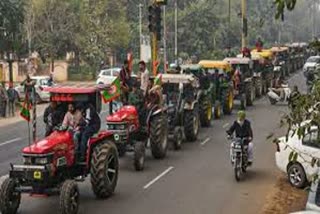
[311,63]
[108,75]
[41,82]
[299,172]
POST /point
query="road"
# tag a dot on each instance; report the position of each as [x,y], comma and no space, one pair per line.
[196,180]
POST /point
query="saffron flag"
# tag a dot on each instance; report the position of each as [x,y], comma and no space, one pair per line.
[113,92]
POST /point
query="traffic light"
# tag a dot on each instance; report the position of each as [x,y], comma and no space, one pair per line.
[155,20]
[152,18]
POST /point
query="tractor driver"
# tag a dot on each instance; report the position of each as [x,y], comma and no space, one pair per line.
[91,126]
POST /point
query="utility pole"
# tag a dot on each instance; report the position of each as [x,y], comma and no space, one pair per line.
[314,18]
[244,23]
[176,30]
[140,28]
[229,24]
[164,41]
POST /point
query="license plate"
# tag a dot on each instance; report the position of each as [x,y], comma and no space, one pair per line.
[37,175]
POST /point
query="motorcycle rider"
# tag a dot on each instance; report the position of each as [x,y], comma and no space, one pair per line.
[242,129]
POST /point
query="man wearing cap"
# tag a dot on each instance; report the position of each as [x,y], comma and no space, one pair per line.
[144,77]
[242,129]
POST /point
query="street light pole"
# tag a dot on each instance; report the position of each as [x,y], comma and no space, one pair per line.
[244,23]
[176,30]
[164,40]
[140,28]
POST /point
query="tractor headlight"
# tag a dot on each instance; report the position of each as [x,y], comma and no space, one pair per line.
[121,127]
[41,161]
[27,160]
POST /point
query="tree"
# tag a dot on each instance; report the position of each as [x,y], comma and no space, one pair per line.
[53,27]
[103,28]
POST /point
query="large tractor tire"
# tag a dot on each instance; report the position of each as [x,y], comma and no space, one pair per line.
[9,198]
[191,124]
[69,197]
[104,169]
[159,136]
[259,87]
[139,155]
[243,102]
[218,110]
[250,94]
[228,104]
[206,112]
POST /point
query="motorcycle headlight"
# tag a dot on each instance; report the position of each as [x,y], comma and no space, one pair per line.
[41,161]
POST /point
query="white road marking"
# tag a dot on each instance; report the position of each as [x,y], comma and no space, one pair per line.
[225,125]
[10,141]
[158,177]
[205,141]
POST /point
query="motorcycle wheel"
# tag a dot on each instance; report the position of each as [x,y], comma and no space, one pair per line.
[237,169]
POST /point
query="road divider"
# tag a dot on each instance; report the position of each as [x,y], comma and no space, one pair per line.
[10,141]
[158,177]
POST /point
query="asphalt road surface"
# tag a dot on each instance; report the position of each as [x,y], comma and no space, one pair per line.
[196,180]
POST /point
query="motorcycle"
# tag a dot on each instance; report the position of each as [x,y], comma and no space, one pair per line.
[239,156]
[275,95]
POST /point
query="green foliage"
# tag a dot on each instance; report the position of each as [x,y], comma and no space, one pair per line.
[11,22]
[282,5]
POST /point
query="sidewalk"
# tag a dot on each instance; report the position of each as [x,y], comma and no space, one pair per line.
[17,118]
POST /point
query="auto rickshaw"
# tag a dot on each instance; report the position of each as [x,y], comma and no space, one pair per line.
[224,86]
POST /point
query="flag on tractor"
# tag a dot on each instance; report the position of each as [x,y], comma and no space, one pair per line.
[113,92]
[25,111]
[158,80]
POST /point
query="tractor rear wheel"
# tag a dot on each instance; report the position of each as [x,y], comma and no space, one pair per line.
[228,104]
[69,197]
[104,169]
[206,112]
[159,136]
[9,198]
[191,124]
[139,155]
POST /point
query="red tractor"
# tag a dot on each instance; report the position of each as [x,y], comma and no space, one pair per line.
[50,165]
[134,126]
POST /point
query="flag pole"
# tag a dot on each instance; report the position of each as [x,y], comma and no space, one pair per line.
[34,116]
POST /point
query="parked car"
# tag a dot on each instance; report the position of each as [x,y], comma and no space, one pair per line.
[41,83]
[107,76]
[311,63]
[299,172]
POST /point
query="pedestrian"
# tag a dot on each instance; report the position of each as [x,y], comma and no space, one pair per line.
[3,101]
[125,78]
[13,99]
[144,77]
[294,98]
[28,84]
[6,100]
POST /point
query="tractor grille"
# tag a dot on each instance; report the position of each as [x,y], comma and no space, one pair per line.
[117,126]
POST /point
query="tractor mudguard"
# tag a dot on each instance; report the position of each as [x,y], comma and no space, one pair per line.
[190,106]
[248,80]
[95,140]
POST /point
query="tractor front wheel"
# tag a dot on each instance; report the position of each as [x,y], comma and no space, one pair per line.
[191,124]
[9,198]
[159,136]
[139,155]
[228,105]
[69,197]
[104,169]
[206,113]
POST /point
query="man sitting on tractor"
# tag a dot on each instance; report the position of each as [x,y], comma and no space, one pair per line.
[91,126]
